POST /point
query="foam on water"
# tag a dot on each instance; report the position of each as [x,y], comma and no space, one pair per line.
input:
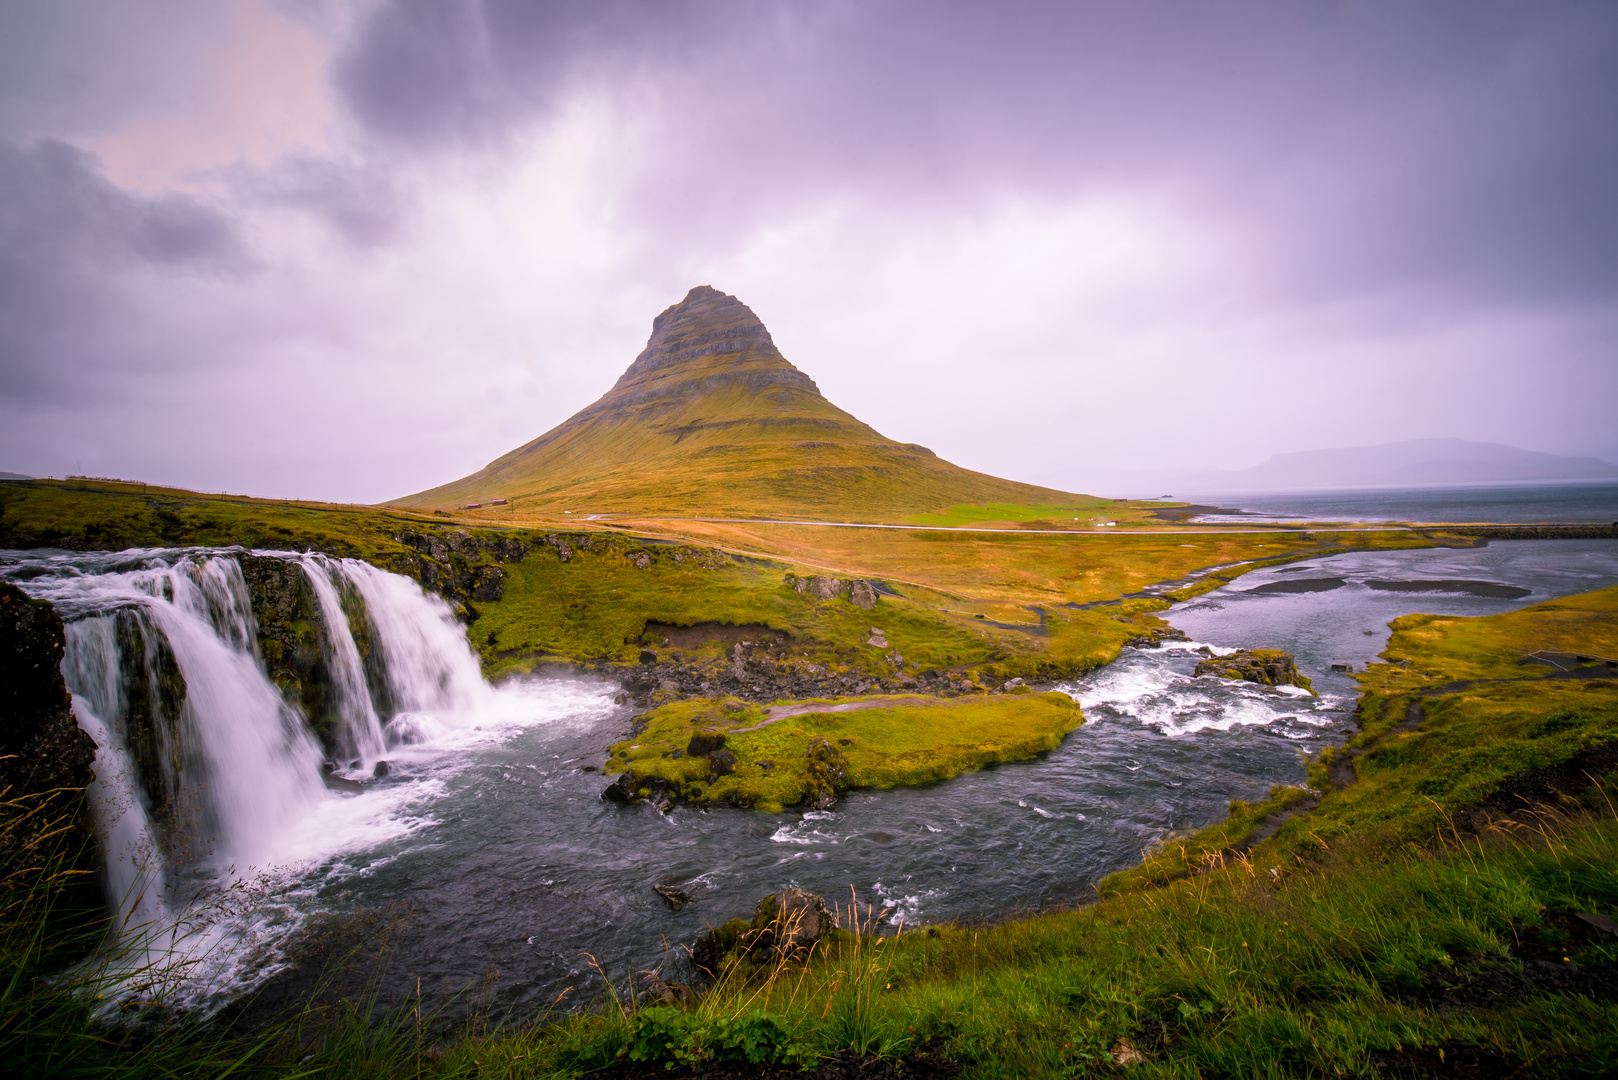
[208,888]
[488,822]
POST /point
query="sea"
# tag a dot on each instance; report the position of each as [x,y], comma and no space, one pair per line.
[1562,502]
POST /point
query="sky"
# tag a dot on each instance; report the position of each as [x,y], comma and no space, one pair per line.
[353,249]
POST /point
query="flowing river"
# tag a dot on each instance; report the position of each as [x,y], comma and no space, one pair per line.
[221,838]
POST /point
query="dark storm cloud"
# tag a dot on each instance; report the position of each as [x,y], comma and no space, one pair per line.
[1451,146]
[357,200]
[67,237]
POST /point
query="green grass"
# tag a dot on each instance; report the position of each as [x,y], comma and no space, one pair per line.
[903,741]
[1081,513]
[1305,975]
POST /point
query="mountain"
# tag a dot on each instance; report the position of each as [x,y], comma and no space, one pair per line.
[1412,462]
[1419,461]
[711,419]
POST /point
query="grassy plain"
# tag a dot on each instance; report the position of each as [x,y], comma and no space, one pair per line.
[1338,945]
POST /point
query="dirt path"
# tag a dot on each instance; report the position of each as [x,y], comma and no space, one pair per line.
[781,712]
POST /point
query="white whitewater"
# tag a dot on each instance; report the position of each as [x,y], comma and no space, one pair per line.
[230,803]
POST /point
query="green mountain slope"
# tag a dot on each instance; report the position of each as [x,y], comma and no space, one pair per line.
[711,419]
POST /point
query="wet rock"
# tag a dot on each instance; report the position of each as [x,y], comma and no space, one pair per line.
[720,763]
[671,892]
[381,770]
[793,919]
[42,747]
[705,742]
[647,656]
[621,790]
[1268,667]
[785,925]
[827,774]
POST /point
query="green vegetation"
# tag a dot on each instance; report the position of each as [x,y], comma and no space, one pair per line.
[1083,513]
[1232,973]
[877,742]
[1451,716]
[99,516]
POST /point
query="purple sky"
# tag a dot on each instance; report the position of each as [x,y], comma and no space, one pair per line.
[350,249]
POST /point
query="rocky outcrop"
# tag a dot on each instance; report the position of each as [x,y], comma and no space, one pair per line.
[292,640]
[46,760]
[42,747]
[860,593]
[827,772]
[154,694]
[785,926]
[1268,667]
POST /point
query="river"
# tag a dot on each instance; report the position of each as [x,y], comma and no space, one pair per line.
[513,872]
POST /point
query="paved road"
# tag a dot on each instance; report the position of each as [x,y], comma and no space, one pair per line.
[1104,531]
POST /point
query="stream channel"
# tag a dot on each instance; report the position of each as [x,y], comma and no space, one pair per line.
[514,874]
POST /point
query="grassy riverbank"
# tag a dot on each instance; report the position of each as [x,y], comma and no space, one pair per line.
[1437,904]
[878,742]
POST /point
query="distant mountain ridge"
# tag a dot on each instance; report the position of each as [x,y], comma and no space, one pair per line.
[1420,461]
[1413,462]
[711,418]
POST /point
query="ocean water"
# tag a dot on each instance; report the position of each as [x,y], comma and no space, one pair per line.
[1569,502]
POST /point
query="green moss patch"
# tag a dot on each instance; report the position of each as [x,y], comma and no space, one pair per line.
[891,742]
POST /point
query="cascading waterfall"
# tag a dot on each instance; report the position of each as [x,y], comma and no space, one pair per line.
[206,776]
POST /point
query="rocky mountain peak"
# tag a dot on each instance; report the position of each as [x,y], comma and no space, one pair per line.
[705,323]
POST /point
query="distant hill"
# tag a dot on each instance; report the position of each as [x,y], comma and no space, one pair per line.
[712,419]
[1413,462]
[1419,461]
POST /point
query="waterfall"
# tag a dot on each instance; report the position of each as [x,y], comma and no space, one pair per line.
[208,776]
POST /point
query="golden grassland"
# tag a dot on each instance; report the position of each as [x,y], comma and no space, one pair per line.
[1332,946]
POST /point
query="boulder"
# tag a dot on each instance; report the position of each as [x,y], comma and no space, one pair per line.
[671,892]
[862,594]
[720,763]
[640,560]
[792,919]
[784,926]
[1267,667]
[827,588]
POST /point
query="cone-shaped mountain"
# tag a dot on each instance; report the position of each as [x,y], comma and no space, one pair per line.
[711,419]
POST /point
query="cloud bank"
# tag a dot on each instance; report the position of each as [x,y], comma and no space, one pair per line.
[351,250]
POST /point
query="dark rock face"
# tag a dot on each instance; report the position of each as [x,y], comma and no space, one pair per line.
[705,742]
[1270,667]
[462,568]
[292,640]
[47,759]
[720,763]
[828,774]
[154,694]
[42,747]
